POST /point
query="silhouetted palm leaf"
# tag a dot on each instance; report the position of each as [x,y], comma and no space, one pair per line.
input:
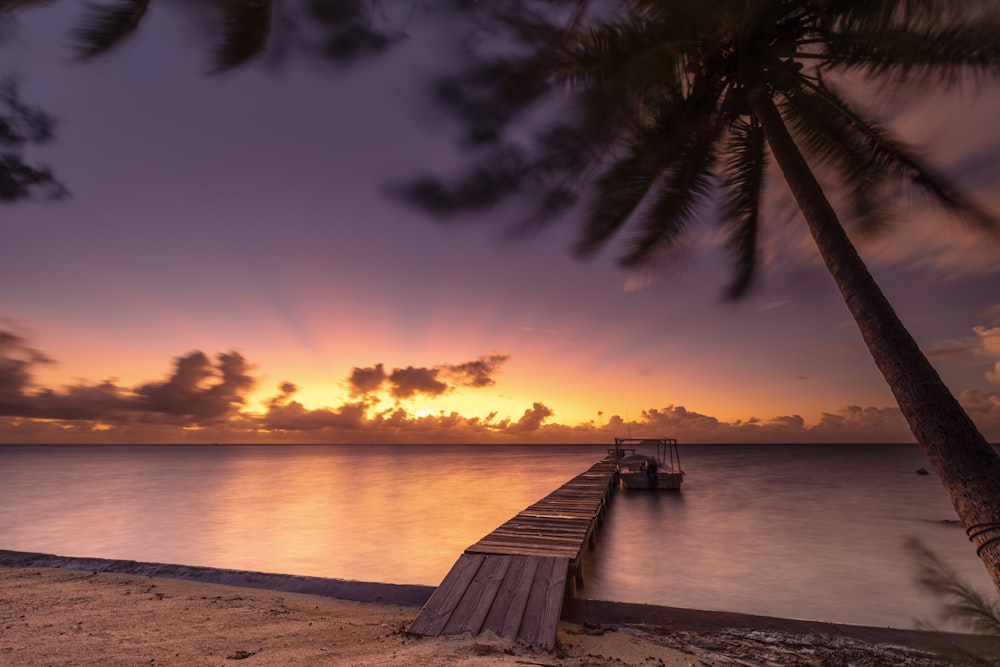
[868,158]
[245,28]
[107,25]
[682,185]
[960,603]
[20,125]
[914,44]
[7,5]
[745,164]
[652,149]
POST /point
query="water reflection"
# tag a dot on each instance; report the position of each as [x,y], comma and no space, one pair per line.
[378,514]
[809,533]
[813,533]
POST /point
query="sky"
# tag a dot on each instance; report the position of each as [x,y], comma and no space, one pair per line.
[228,267]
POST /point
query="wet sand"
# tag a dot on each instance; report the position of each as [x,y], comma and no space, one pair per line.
[66,616]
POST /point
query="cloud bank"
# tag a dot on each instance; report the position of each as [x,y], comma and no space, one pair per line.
[205,399]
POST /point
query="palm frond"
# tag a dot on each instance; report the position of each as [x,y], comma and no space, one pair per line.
[828,137]
[7,5]
[960,603]
[106,26]
[677,195]
[19,123]
[630,54]
[620,72]
[565,155]
[745,166]
[489,96]
[245,28]
[937,53]
[500,174]
[617,193]
[911,39]
[867,157]
[654,147]
[19,180]
[877,15]
[685,180]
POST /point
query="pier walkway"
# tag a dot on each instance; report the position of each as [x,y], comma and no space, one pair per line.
[512,582]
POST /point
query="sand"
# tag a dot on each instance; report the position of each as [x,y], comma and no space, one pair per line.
[53,616]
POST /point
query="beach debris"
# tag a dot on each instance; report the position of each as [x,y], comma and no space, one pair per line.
[746,646]
[241,655]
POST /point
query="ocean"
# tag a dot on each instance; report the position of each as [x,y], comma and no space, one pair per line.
[801,531]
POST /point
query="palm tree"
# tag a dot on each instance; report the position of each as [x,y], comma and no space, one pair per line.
[672,102]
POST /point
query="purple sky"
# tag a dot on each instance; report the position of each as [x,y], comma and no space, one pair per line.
[244,215]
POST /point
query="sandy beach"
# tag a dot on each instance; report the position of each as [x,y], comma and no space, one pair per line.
[58,616]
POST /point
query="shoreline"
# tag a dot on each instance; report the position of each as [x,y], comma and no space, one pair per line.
[675,636]
[341,589]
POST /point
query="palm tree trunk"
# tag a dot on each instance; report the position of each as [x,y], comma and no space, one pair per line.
[968,466]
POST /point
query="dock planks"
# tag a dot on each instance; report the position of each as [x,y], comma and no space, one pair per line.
[512,581]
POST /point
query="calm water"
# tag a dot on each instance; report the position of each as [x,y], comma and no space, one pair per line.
[806,532]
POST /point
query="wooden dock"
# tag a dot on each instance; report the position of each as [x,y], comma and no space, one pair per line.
[512,582]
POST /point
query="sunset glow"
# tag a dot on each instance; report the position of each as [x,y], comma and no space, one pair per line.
[228,268]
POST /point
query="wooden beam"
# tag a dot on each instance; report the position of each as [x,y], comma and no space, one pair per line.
[438,609]
[541,614]
[471,612]
[504,618]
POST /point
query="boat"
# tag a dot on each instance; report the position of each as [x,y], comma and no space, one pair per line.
[648,463]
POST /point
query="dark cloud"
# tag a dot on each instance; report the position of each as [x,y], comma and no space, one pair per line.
[17,399]
[17,358]
[366,380]
[409,381]
[531,420]
[477,373]
[429,381]
[100,402]
[190,393]
[295,417]
[198,391]
[14,377]
[792,422]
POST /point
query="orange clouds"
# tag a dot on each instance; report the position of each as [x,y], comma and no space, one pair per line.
[989,339]
[210,396]
[408,382]
[204,399]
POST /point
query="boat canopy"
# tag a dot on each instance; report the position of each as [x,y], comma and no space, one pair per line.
[666,449]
